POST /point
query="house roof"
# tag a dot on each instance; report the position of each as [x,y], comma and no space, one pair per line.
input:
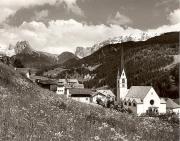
[138,91]
[79,91]
[171,104]
[177,101]
[62,81]
[78,85]
[72,80]
[106,92]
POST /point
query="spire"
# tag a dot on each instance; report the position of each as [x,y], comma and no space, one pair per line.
[118,74]
[122,58]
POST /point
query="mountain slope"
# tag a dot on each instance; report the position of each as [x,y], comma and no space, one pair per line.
[65,56]
[35,59]
[145,64]
[28,112]
[141,36]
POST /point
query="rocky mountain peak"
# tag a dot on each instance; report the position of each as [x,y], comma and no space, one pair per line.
[23,47]
[140,36]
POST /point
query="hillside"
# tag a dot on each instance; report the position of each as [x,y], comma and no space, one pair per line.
[146,63]
[30,58]
[65,56]
[28,112]
[140,36]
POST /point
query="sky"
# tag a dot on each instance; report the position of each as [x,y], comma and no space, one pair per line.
[56,26]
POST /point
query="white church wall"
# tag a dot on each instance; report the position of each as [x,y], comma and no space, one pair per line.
[162,108]
[151,96]
[140,109]
[123,93]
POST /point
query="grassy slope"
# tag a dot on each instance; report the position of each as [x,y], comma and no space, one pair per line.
[28,112]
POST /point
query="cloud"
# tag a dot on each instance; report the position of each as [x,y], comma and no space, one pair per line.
[73,7]
[66,35]
[174,17]
[41,15]
[166,2]
[119,19]
[5,12]
[9,7]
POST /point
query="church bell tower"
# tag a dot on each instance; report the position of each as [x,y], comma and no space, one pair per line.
[121,80]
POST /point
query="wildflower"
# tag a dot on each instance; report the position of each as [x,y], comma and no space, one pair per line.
[104,124]
[100,128]
[59,134]
[112,129]
[97,138]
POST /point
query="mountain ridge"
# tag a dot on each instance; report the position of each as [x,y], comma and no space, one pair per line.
[141,36]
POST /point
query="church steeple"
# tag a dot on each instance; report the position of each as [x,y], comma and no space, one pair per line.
[121,80]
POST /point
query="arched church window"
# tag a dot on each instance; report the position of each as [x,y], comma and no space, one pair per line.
[134,104]
[123,80]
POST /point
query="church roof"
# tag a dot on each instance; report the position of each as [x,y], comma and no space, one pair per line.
[138,91]
[171,104]
[137,100]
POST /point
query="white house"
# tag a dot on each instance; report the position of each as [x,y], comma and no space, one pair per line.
[78,94]
[81,95]
[104,95]
[61,90]
[140,99]
[173,107]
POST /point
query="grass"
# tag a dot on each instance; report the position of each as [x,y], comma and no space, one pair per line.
[30,113]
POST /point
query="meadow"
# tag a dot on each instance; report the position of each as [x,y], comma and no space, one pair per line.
[30,113]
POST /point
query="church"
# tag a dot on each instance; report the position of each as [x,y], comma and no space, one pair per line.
[140,99]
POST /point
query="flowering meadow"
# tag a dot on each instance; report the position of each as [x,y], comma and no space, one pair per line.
[30,113]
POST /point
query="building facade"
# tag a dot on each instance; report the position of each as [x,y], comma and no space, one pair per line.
[140,99]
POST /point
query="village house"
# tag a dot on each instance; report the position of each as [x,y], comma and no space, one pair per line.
[72,83]
[172,107]
[78,94]
[104,95]
[81,95]
[24,71]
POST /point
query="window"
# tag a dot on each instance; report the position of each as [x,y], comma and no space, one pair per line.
[125,103]
[129,103]
[152,102]
[123,85]
[134,104]
[86,99]
[123,80]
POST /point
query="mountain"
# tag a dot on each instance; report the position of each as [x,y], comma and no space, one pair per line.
[24,53]
[83,52]
[65,56]
[23,47]
[141,36]
[150,62]
[31,58]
